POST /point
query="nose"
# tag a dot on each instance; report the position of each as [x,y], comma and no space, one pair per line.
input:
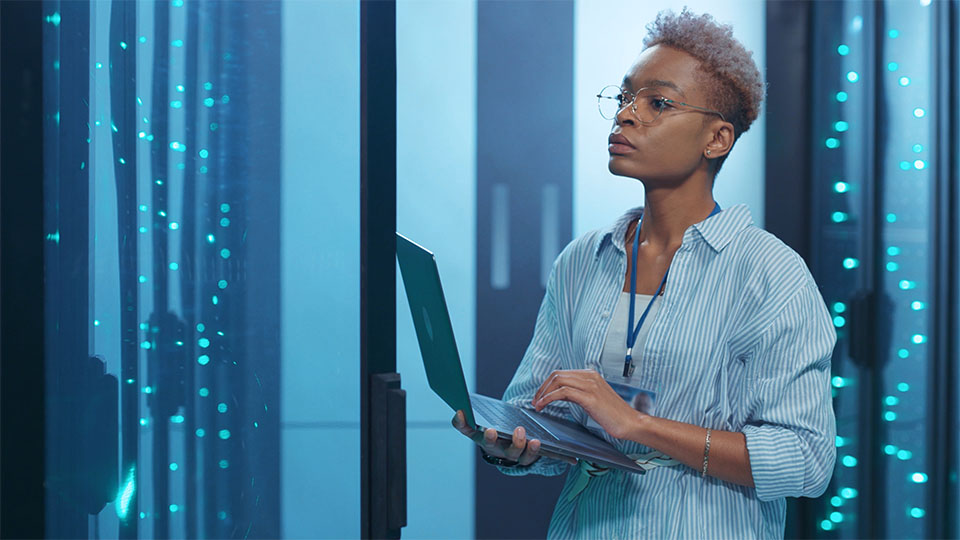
[625,116]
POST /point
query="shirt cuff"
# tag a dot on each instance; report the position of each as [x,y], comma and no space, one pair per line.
[776,460]
[544,466]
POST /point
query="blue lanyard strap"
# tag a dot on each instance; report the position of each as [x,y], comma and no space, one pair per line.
[632,332]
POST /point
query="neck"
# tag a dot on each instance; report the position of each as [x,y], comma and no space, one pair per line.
[667,213]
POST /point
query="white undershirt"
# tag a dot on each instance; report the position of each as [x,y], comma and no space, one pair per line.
[615,343]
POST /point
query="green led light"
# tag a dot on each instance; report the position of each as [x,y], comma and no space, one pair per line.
[210,238]
[200,327]
[839,217]
[919,164]
[849,461]
[918,478]
[203,342]
[224,463]
[906,284]
[204,153]
[904,165]
[208,102]
[842,97]
[204,391]
[840,442]
[836,501]
[919,339]
[96,322]
[904,81]
[917,306]
[225,99]
[225,222]
[919,112]
[224,434]
[917,148]
[215,300]
[839,307]
[826,525]
[891,218]
[174,508]
[838,382]
[142,279]
[841,187]
[200,432]
[222,284]
[147,389]
[208,85]
[841,126]
[174,266]
[893,251]
[892,266]
[893,33]
[225,208]
[174,466]
[839,321]
[142,229]
[177,43]
[917,512]
[891,400]
[889,449]
[832,142]
[203,360]
[180,88]
[850,263]
[176,104]
[904,455]
[222,407]
[144,421]
[176,419]
[848,493]
[903,353]
[843,50]
[892,66]
[903,387]
[853,76]
[225,253]
[889,416]
[214,126]
[836,517]
[174,225]
[145,345]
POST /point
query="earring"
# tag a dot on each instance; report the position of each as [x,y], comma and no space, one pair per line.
[708,152]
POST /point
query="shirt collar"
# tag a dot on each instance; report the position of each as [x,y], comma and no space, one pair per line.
[717,230]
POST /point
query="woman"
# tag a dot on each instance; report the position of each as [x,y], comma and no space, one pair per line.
[734,341]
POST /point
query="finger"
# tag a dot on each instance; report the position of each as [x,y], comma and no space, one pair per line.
[489,441]
[460,422]
[531,453]
[564,393]
[518,444]
[549,382]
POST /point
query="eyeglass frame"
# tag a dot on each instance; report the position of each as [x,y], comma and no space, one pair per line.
[633,104]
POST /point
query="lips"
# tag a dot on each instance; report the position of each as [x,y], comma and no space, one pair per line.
[618,144]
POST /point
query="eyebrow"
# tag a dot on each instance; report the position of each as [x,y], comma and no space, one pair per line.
[657,83]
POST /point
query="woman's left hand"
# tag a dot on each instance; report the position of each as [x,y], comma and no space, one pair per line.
[590,390]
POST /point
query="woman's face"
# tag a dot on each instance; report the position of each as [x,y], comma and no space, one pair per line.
[672,148]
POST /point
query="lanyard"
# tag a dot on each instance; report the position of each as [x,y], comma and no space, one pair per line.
[632,332]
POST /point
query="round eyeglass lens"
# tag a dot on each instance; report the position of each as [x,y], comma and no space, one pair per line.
[609,101]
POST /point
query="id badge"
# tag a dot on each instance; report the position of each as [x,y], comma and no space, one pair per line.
[639,394]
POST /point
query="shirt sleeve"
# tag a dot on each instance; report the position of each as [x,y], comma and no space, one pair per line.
[543,356]
[791,427]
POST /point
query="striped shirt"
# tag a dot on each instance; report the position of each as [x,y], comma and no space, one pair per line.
[742,342]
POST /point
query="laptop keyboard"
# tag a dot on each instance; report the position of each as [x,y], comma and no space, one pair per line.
[506,418]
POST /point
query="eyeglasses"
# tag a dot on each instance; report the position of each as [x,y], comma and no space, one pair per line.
[647,104]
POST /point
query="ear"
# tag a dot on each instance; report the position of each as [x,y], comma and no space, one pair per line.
[721,142]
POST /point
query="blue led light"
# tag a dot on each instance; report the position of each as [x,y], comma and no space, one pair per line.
[174,508]
[224,434]
[225,208]
[904,165]
[891,400]
[889,449]
[849,461]
[208,102]
[180,88]
[889,416]
[225,222]
[176,419]
[177,43]
[841,187]
[200,432]
[174,466]
[919,338]
[917,148]
[919,112]
[832,142]
[919,164]
[853,76]
[892,266]
[891,218]
[222,407]
[917,305]
[174,266]
[208,85]
[904,455]
[903,387]
[840,441]
[843,50]
[215,300]
[836,501]
[200,327]
[836,517]
[917,512]
[918,478]
[842,97]
[203,153]
[903,353]
[904,81]
[203,360]
[838,382]
[225,253]
[222,284]
[893,251]
[906,284]
[826,525]
[850,263]
[839,307]
[893,33]
[174,225]
[176,104]
[204,391]
[839,321]
[203,342]
[210,238]
[841,126]
[892,66]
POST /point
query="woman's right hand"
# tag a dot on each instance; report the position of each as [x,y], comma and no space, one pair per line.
[519,449]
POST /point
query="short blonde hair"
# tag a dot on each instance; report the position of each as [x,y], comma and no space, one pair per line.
[728,69]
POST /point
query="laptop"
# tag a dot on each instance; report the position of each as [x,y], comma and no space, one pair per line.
[421,279]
